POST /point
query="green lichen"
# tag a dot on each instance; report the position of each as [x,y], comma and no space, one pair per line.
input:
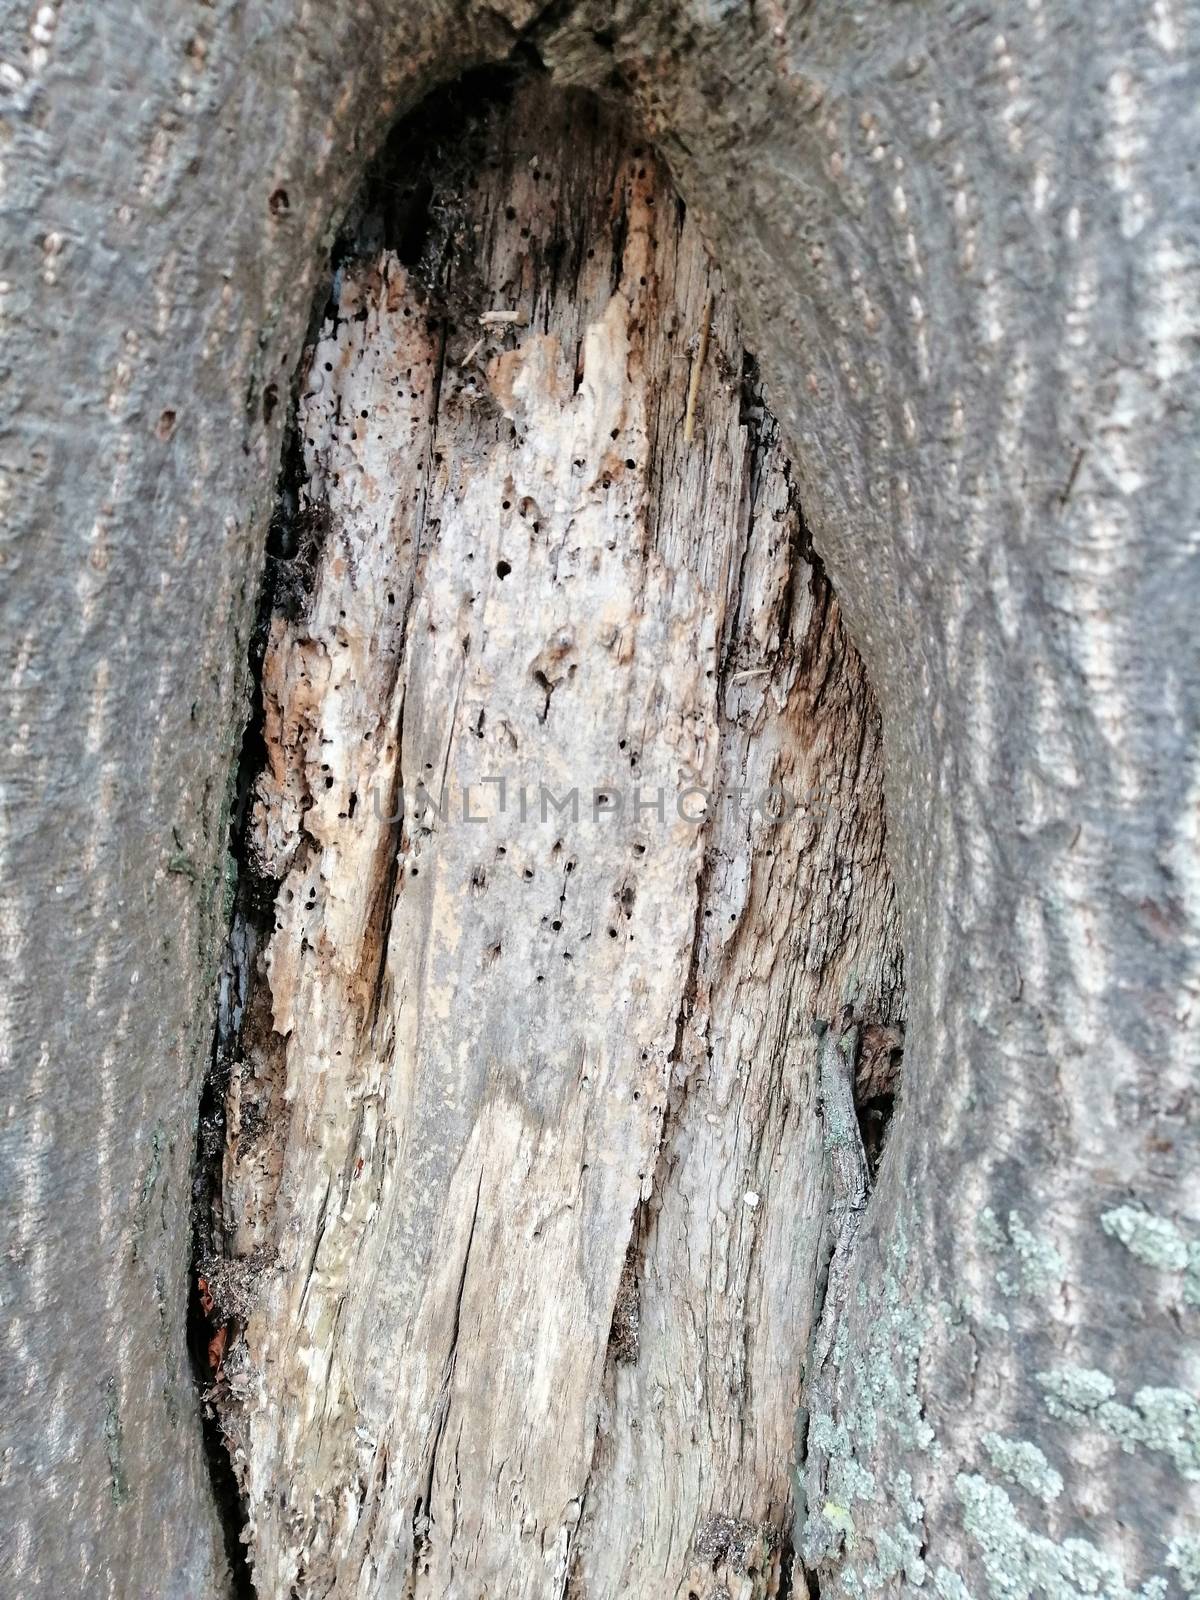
[830,1436]
[949,1585]
[1191,1278]
[166,1347]
[838,1517]
[181,865]
[118,1486]
[992,1321]
[882,1379]
[991,1235]
[878,1383]
[154,1166]
[1157,1242]
[888,1372]
[841,1346]
[229,881]
[1154,1240]
[851,1481]
[1159,1419]
[158,1141]
[1183,1555]
[1040,1268]
[1168,1420]
[837,1132]
[1020,1562]
[897,1551]
[1023,1464]
[1072,1390]
[848,1480]
[906,1499]
[1030,1264]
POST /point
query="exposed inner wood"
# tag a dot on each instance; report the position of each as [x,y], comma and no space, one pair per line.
[523,1202]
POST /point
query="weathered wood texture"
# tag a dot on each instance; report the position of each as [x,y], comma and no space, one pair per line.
[964,242]
[522,1144]
[150,154]
[963,256]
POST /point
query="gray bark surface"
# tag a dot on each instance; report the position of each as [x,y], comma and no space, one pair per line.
[964,244]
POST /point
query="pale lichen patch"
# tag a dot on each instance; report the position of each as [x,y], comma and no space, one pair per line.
[1157,1242]
[1020,1562]
[1030,1263]
[1076,1389]
[949,1585]
[848,1479]
[879,1396]
[910,1505]
[1154,1240]
[1023,1464]
[1183,1555]
[897,1554]
[1160,1419]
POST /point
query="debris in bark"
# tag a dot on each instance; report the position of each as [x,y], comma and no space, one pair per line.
[876,1084]
[626,1320]
[735,1540]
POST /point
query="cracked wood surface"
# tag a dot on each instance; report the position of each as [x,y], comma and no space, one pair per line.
[498,1070]
[962,241]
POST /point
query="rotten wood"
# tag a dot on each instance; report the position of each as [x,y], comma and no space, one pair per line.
[522,1127]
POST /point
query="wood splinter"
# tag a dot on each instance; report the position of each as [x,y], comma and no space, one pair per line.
[689,419]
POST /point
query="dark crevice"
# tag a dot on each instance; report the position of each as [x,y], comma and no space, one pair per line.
[787,1559]
[294,540]
[226,1492]
[874,1122]
[423,1506]
[876,1085]
[625,1328]
[620,237]
[396,841]
[415,196]
[231,1508]
[283,582]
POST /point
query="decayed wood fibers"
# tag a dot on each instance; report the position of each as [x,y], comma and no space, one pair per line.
[505,1072]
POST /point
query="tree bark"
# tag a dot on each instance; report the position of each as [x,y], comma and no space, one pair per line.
[523,1194]
[962,243]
